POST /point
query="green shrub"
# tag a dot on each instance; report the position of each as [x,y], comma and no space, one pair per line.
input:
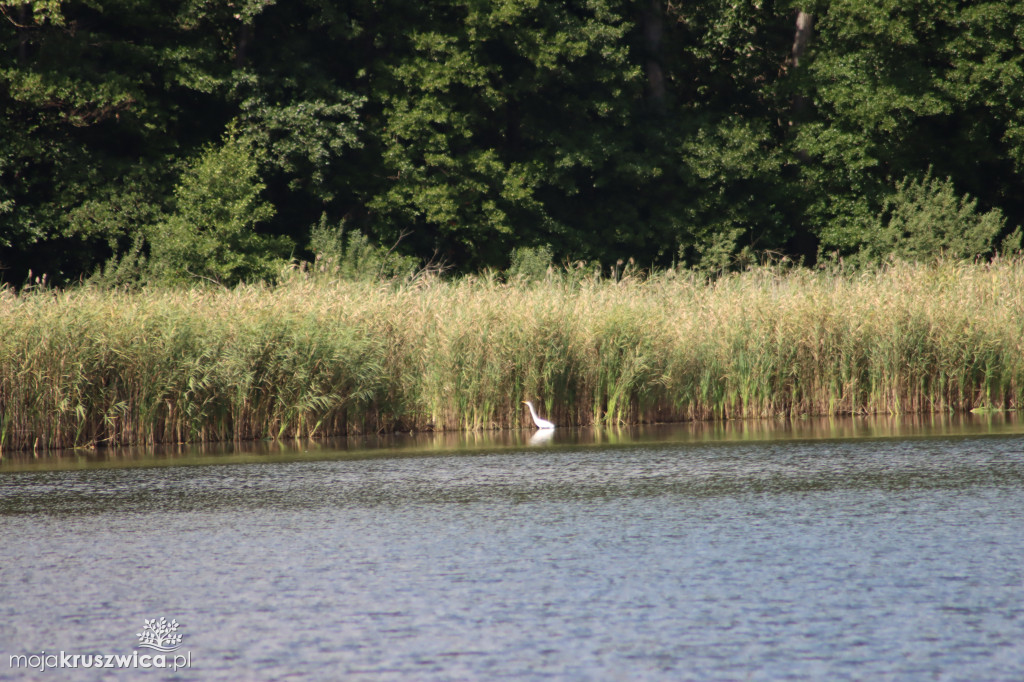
[355,258]
[211,235]
[530,263]
[924,218]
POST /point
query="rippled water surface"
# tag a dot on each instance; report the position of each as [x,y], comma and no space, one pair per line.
[633,557]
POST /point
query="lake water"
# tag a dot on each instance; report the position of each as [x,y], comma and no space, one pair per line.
[838,550]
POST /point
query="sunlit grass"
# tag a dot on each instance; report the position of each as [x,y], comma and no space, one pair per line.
[314,357]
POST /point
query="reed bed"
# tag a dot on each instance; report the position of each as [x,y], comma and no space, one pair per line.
[314,357]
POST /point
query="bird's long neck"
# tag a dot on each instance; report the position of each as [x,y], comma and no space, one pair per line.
[533,412]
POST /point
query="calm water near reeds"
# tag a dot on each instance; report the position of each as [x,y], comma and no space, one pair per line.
[836,549]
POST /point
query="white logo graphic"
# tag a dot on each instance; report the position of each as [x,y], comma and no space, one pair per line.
[160,635]
[156,634]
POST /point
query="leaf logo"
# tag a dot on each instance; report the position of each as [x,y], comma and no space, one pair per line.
[161,635]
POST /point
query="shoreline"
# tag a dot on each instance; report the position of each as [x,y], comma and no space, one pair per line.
[751,429]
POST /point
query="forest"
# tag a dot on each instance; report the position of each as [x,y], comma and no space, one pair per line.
[179,141]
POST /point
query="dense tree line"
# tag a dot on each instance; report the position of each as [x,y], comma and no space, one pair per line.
[211,139]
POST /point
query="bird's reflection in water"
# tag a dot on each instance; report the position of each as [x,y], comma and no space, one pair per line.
[542,436]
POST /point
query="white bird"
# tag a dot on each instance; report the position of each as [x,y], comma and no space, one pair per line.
[541,423]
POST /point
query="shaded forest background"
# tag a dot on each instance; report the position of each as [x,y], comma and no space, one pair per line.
[170,140]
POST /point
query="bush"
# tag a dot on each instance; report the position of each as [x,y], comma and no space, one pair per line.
[211,235]
[357,259]
[530,263]
[925,218]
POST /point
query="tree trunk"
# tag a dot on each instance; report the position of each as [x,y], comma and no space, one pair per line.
[23,12]
[652,26]
[804,29]
[244,38]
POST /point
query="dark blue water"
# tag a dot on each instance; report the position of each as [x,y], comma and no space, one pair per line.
[898,559]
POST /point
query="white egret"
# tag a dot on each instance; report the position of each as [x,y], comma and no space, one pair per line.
[541,423]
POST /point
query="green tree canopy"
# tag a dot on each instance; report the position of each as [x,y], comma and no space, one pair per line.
[703,133]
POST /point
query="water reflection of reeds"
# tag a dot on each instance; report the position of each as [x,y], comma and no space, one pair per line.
[446,443]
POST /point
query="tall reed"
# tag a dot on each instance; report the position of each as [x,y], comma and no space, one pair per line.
[314,357]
